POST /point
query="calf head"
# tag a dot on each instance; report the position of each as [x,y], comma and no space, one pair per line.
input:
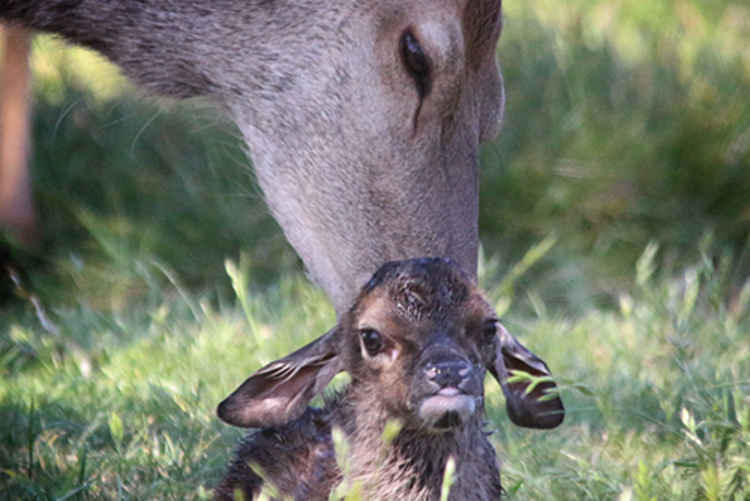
[417,344]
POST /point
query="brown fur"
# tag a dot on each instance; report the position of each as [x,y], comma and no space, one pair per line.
[299,460]
[428,314]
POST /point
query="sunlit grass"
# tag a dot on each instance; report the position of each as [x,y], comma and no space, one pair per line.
[56,64]
[656,393]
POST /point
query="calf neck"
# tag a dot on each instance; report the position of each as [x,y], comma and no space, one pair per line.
[363,118]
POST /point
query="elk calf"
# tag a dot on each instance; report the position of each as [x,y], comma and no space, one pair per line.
[417,344]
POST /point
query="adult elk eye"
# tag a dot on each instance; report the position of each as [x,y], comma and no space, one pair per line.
[372,340]
[416,62]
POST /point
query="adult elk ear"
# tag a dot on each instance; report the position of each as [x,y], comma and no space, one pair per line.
[280,391]
[539,408]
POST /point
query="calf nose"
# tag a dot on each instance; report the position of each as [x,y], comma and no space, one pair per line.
[446,373]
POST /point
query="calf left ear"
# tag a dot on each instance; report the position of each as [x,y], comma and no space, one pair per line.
[280,391]
[539,408]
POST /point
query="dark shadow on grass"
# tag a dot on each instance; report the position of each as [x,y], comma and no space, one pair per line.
[51,449]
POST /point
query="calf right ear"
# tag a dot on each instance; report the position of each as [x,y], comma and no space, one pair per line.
[280,391]
[537,406]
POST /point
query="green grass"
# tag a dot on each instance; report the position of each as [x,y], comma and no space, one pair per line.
[120,405]
[161,282]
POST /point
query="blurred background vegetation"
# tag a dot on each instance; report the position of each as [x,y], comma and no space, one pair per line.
[627,122]
[615,214]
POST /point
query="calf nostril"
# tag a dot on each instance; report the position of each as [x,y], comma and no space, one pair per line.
[448,372]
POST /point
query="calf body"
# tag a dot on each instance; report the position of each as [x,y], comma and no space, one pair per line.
[417,344]
[299,460]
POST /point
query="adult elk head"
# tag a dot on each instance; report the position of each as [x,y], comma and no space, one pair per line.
[372,151]
[363,118]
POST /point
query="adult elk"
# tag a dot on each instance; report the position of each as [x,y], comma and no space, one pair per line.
[363,118]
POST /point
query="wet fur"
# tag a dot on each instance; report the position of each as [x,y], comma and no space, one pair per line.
[299,460]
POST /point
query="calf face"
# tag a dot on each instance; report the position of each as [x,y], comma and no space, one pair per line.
[417,343]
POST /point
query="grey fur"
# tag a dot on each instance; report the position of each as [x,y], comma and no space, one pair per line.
[439,336]
[357,167]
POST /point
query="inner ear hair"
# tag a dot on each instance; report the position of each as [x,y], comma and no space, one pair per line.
[279,392]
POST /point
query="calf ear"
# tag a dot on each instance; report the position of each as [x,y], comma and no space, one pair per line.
[539,408]
[280,391]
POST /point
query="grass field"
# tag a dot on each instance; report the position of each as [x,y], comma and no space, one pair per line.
[615,221]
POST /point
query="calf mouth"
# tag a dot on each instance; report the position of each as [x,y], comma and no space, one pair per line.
[447,409]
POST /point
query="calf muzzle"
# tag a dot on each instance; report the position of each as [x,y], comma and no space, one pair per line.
[448,390]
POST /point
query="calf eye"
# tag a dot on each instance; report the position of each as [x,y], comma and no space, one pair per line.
[372,340]
[489,331]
